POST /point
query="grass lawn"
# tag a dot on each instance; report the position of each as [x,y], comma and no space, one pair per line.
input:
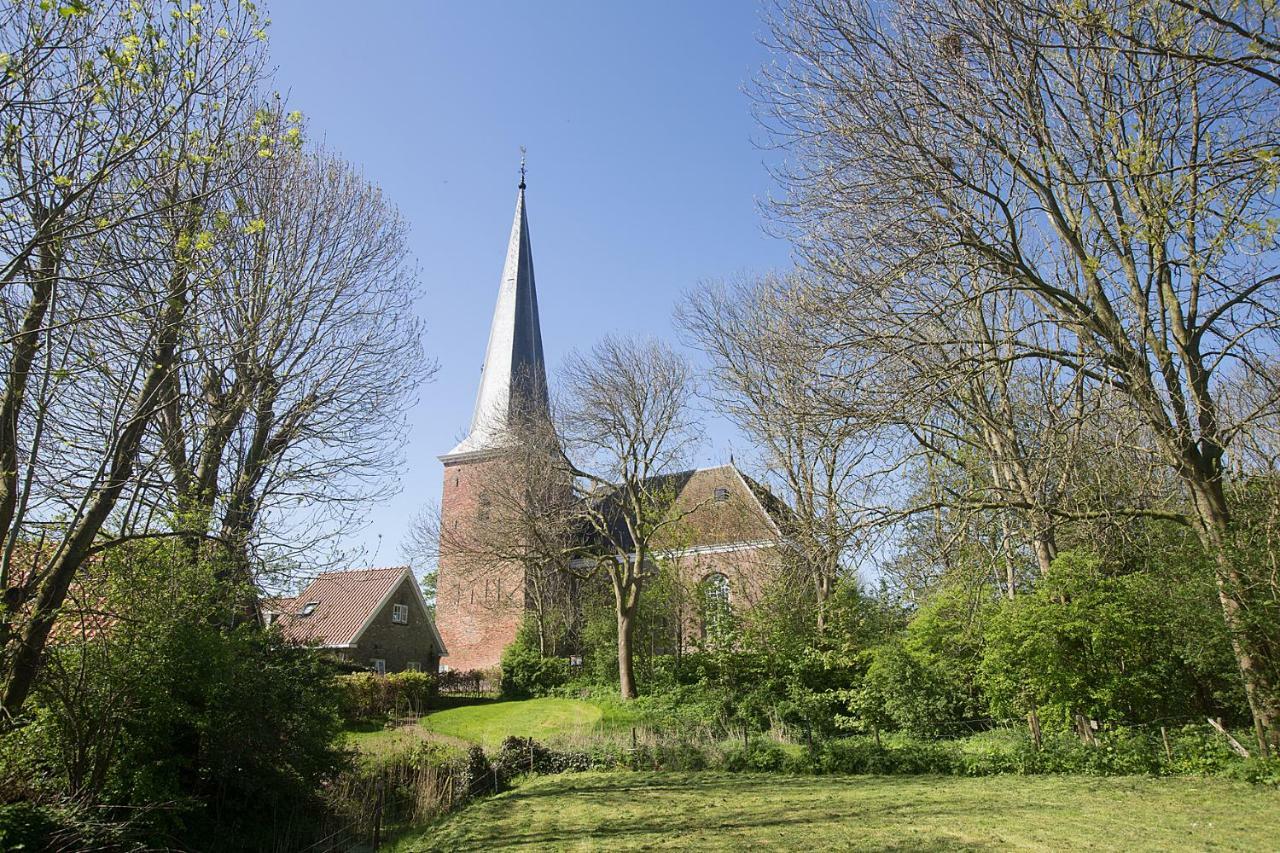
[485,724]
[488,724]
[715,811]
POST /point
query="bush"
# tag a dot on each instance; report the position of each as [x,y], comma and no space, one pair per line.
[411,690]
[366,696]
[26,826]
[756,755]
[526,673]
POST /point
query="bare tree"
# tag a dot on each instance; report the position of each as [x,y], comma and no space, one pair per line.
[1123,194]
[629,420]
[140,114]
[765,359]
[296,379]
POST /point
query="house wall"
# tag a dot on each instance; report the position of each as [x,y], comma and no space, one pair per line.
[479,604]
[398,644]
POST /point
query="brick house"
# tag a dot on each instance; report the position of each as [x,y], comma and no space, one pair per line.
[731,541]
[376,618]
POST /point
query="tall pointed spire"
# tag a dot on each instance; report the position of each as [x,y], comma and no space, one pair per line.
[514,377]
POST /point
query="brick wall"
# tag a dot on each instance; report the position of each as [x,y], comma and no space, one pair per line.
[479,605]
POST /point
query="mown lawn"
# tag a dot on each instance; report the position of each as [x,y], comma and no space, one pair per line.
[485,724]
[715,811]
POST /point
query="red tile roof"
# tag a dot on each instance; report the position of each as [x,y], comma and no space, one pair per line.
[344,602]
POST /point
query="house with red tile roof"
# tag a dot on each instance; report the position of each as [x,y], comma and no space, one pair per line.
[375,618]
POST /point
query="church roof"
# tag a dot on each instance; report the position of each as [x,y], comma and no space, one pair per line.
[514,378]
[749,511]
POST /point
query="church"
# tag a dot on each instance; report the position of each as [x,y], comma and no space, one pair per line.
[734,542]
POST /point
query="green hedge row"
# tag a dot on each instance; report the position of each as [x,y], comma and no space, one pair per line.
[366,696]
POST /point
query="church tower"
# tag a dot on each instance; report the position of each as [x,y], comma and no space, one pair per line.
[478,613]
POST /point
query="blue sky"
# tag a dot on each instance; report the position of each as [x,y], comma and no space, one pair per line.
[644,176]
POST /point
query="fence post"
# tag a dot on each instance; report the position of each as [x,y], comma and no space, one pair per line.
[1033,722]
[1164,736]
[1235,744]
[377,811]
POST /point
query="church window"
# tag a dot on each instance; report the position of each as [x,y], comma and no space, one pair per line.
[400,614]
[717,613]
[721,495]
[484,508]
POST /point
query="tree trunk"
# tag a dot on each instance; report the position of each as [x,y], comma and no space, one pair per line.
[1214,530]
[627,600]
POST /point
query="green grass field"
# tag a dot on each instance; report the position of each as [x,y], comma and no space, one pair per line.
[485,724]
[714,811]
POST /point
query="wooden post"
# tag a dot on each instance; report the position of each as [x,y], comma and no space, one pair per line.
[495,780]
[1164,736]
[377,812]
[1033,723]
[634,747]
[1235,744]
[1083,729]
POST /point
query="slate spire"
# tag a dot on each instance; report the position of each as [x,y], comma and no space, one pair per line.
[514,376]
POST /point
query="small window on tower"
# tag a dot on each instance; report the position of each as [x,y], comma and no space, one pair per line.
[308,608]
[400,614]
[721,495]
[483,511]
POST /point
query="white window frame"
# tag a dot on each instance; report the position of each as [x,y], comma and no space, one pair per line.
[308,608]
[400,614]
[413,666]
[379,666]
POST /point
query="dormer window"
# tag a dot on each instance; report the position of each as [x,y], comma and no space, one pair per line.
[308,608]
[400,614]
[721,495]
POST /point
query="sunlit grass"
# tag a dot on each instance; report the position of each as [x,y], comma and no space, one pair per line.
[484,724]
[487,725]
[715,811]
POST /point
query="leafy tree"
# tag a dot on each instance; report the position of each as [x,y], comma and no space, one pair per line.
[1128,648]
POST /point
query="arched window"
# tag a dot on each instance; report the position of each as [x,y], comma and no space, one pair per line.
[717,610]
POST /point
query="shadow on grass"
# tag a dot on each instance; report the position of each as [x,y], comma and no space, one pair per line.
[728,811]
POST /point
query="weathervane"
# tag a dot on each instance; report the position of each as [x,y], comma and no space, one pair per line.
[522,153]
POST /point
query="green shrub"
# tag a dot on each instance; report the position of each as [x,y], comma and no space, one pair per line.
[681,757]
[366,696]
[413,691]
[26,826]
[525,672]
[762,756]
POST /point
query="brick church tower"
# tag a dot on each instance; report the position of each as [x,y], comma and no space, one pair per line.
[478,613]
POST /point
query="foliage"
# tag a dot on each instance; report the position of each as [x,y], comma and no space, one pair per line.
[367,696]
[526,673]
[226,724]
[1129,648]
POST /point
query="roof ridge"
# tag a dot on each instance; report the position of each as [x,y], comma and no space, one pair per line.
[332,572]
